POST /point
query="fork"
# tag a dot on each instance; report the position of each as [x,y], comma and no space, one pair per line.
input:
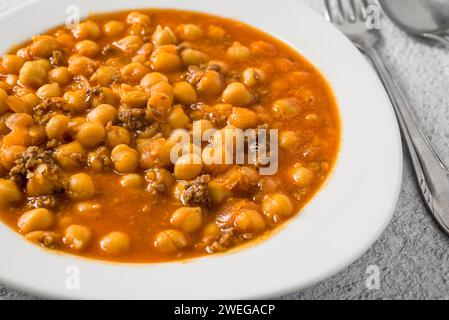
[350,17]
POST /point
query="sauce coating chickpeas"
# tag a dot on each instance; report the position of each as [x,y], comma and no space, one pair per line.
[91,121]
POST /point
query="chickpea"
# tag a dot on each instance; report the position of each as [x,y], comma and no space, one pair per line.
[125,158]
[18,136]
[24,53]
[243,118]
[145,50]
[36,220]
[211,84]
[104,113]
[45,64]
[46,239]
[133,72]
[215,159]
[218,192]
[9,193]
[66,39]
[115,243]
[117,135]
[190,32]
[60,75]
[57,127]
[253,76]
[49,90]
[104,76]
[166,59]
[211,232]
[152,78]
[219,66]
[106,96]
[129,44]
[113,28]
[33,74]
[12,80]
[302,176]
[31,100]
[184,93]
[188,167]
[277,205]
[87,48]
[19,120]
[203,125]
[262,48]
[134,98]
[237,94]
[91,133]
[131,180]
[170,241]
[18,105]
[3,105]
[77,100]
[288,140]
[11,64]
[192,57]
[36,135]
[238,52]
[249,221]
[80,187]
[187,219]
[163,36]
[216,33]
[86,30]
[159,105]
[82,66]
[98,159]
[9,155]
[77,237]
[136,17]
[70,156]
[287,108]
[43,46]
[177,118]
[165,88]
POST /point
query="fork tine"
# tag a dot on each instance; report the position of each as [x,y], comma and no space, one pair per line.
[346,11]
[328,11]
[359,8]
[364,7]
[352,11]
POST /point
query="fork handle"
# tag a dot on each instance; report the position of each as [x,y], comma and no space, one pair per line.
[442,38]
[431,172]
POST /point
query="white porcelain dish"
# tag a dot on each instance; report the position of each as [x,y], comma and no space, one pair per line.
[339,224]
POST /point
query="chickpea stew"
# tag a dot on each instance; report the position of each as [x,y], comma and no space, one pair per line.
[87,122]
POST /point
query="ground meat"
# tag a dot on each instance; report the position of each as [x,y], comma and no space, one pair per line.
[46,109]
[196,192]
[159,181]
[57,58]
[132,119]
[46,201]
[53,144]
[28,161]
[99,159]
[227,239]
[194,74]
[109,49]
[93,92]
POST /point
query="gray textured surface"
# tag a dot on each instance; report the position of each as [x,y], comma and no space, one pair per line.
[412,253]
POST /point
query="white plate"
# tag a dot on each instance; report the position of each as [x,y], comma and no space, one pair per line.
[334,229]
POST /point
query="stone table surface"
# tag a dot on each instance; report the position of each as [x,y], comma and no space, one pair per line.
[412,254]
